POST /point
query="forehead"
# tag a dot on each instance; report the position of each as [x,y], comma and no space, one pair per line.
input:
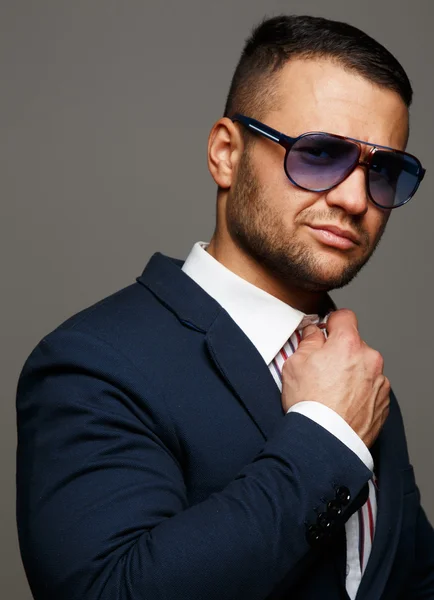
[320,95]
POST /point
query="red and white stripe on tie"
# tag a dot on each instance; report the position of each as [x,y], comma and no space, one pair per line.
[367,517]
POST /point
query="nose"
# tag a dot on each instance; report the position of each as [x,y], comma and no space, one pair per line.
[351,194]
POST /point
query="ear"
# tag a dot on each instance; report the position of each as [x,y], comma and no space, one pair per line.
[225,146]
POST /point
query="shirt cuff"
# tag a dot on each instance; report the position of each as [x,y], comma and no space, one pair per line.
[337,426]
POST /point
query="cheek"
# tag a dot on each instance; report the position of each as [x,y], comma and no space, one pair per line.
[288,203]
[376,222]
[269,171]
[373,226]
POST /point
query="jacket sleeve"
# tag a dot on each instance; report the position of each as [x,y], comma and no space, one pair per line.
[102,507]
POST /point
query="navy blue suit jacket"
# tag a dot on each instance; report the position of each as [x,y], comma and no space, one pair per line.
[155,463]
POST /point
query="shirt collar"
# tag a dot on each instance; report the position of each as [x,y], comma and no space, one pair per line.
[265,320]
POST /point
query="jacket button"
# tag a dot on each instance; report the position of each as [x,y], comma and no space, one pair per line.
[334,508]
[324,522]
[314,535]
[343,495]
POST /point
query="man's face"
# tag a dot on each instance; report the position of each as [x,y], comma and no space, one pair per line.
[270,218]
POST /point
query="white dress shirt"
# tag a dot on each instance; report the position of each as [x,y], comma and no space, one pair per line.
[269,323]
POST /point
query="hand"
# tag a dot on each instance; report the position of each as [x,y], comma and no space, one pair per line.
[342,372]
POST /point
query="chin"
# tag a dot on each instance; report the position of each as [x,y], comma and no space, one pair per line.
[328,280]
[327,274]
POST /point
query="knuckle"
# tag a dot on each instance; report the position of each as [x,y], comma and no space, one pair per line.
[354,336]
[290,364]
[286,366]
[377,359]
[351,339]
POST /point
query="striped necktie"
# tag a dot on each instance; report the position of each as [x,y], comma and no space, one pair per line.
[360,527]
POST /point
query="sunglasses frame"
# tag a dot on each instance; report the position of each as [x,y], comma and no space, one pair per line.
[288,142]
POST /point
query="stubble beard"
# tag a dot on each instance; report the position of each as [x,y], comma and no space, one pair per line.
[259,232]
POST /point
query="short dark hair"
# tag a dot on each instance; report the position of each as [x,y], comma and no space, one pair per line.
[274,41]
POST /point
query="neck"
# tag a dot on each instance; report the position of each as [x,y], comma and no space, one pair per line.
[243,265]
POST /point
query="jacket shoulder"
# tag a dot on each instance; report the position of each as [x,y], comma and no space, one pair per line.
[126,320]
[127,305]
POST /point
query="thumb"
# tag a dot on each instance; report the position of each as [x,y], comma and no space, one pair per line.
[312,336]
[309,330]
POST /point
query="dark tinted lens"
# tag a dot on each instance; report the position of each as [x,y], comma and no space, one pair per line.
[393,178]
[320,161]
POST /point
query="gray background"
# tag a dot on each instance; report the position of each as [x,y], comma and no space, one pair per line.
[105,110]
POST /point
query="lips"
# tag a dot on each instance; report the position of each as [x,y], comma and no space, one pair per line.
[343,233]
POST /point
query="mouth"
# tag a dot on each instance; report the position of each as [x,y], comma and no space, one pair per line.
[330,235]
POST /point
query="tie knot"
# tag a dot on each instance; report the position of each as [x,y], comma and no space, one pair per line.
[313,320]
[320,322]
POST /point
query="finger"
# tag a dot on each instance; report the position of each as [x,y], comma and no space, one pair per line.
[312,337]
[309,330]
[384,390]
[341,320]
[384,415]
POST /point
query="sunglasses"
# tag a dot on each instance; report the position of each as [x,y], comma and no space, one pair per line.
[319,161]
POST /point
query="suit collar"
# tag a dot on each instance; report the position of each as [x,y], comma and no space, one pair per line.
[233,354]
[179,293]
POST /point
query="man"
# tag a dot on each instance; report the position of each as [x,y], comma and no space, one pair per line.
[217,430]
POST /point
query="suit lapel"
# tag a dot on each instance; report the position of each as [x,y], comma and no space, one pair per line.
[389,515]
[244,370]
[234,356]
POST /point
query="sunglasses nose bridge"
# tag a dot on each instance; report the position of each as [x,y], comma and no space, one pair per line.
[366,160]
